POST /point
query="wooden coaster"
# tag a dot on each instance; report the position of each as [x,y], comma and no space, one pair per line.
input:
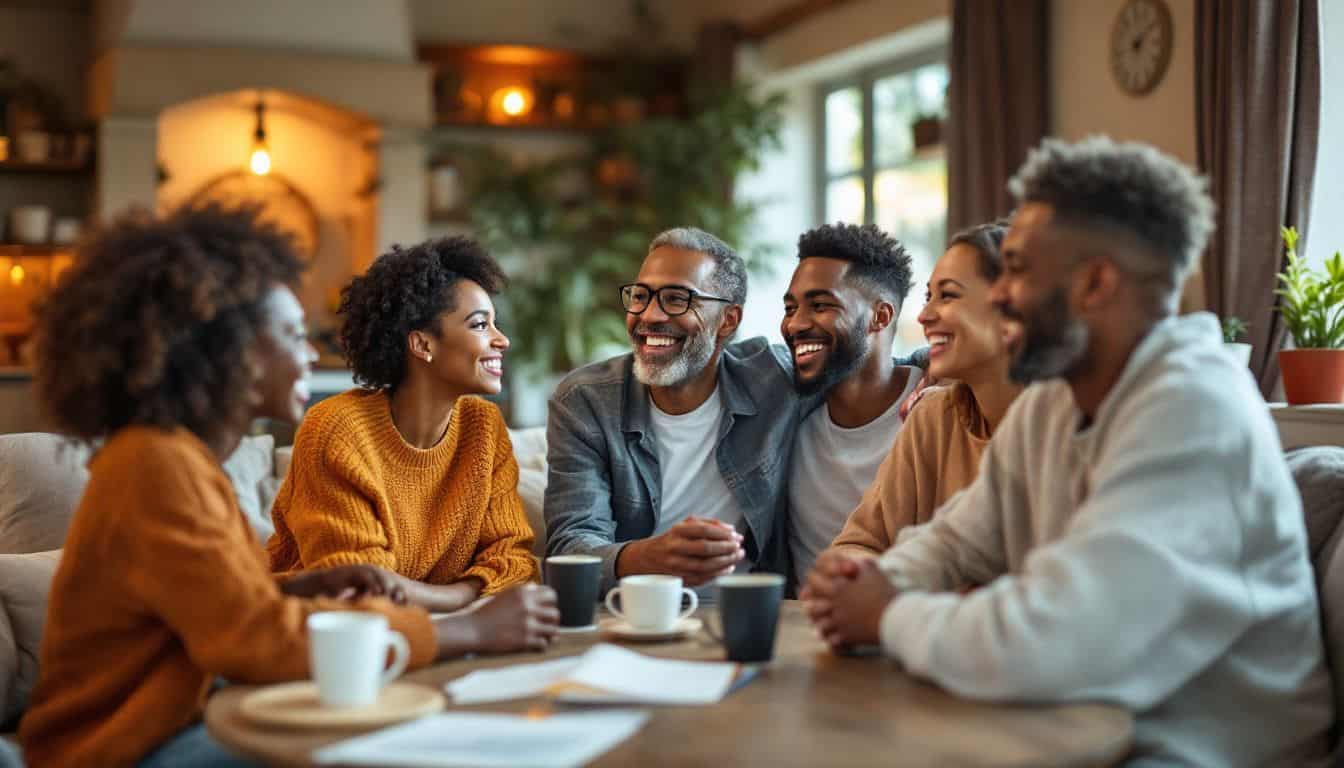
[296,705]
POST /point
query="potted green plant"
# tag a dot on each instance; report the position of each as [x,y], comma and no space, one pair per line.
[1234,330]
[1312,307]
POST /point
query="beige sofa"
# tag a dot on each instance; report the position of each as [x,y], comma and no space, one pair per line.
[41,479]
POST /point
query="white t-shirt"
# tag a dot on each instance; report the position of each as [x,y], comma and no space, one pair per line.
[832,467]
[689,473]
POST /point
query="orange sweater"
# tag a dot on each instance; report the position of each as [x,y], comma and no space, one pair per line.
[358,493]
[161,588]
[937,453]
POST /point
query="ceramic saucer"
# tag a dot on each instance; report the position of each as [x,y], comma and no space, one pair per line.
[577,630]
[624,630]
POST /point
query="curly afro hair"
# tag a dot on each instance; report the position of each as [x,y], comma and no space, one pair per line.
[155,322]
[405,290]
[880,264]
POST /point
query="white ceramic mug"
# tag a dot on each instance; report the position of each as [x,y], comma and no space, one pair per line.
[29,224]
[347,651]
[651,602]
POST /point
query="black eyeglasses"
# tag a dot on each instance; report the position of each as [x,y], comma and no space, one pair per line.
[674,299]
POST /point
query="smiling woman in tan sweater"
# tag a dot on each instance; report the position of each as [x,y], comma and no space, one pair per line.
[413,472]
[937,452]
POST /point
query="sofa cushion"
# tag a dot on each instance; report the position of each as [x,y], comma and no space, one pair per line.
[532,490]
[1319,473]
[9,664]
[42,477]
[529,449]
[25,583]
[251,470]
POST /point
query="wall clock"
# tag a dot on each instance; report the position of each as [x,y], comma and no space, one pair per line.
[1141,45]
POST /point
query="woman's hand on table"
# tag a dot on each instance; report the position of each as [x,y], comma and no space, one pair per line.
[524,618]
[845,597]
[347,582]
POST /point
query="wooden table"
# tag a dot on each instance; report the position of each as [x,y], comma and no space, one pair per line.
[808,708]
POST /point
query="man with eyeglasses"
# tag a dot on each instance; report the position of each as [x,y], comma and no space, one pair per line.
[672,459]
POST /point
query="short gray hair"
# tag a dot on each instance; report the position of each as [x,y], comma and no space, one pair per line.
[729,278]
[1127,188]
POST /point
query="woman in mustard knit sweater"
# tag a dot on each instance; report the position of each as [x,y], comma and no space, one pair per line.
[167,338]
[411,472]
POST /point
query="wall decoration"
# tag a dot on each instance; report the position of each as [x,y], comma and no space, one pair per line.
[1141,41]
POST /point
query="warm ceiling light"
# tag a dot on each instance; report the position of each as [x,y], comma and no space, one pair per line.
[514,102]
[16,275]
[260,162]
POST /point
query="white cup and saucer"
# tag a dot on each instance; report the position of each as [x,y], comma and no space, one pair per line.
[352,685]
[650,609]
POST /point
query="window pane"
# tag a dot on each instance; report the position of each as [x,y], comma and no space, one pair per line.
[844,131]
[844,200]
[911,205]
[899,101]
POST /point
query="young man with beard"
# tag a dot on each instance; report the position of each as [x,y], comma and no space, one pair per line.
[840,324]
[1135,526]
[671,459]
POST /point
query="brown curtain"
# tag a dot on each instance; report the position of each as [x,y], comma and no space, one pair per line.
[998,102]
[1258,97]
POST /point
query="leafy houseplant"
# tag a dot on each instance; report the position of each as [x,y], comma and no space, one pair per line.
[1311,303]
[1234,329]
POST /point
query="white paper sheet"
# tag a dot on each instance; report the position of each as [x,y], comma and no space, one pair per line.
[519,681]
[487,740]
[605,673]
[634,677]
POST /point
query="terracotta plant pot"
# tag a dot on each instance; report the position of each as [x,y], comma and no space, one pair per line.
[1312,375]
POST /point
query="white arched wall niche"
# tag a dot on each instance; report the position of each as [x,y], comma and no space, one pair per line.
[327,154]
[131,86]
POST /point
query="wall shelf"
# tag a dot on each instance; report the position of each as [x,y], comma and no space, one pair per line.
[12,250]
[64,167]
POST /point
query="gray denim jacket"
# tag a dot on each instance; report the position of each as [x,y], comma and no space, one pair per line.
[603,486]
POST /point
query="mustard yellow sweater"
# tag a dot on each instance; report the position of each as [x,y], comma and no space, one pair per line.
[356,492]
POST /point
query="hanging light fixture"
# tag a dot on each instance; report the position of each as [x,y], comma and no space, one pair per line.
[260,162]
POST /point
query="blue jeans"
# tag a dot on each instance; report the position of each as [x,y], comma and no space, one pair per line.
[192,747]
[9,755]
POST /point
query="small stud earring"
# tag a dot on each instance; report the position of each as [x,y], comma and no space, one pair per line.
[429,358]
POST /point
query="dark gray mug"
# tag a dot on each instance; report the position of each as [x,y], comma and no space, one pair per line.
[575,579]
[749,614]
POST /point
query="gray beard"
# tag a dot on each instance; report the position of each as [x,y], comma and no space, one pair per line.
[1055,344]
[696,353]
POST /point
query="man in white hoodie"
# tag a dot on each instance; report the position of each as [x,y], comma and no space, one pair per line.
[1134,531]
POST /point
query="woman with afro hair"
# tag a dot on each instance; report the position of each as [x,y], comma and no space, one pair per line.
[411,471]
[162,343]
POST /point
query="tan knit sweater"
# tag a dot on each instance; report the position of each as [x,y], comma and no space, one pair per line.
[356,492]
[937,453]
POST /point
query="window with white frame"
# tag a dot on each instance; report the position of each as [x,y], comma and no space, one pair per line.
[881,161]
